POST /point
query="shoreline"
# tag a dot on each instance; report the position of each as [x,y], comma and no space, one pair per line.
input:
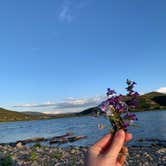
[73,116]
[36,155]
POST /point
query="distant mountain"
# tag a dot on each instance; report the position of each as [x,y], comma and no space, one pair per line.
[33,113]
[90,111]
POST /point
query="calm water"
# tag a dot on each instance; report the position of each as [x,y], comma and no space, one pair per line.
[151,125]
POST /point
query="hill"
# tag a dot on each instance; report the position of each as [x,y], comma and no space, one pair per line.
[33,113]
[90,111]
[146,102]
[149,101]
[7,115]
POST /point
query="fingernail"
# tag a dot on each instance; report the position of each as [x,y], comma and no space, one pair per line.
[119,133]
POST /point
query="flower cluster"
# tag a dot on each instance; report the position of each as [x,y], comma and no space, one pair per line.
[117,107]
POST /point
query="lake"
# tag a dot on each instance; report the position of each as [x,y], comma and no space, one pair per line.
[151,124]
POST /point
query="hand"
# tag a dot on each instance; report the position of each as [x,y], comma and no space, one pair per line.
[105,152]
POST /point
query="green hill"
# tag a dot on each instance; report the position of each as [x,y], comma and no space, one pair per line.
[7,115]
[146,102]
[151,95]
[151,101]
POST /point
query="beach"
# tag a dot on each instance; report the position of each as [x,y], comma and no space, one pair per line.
[37,155]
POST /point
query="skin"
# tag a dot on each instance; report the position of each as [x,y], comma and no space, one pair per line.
[106,151]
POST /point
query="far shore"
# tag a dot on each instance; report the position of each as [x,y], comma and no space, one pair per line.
[70,115]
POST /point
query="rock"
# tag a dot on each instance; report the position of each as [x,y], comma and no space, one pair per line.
[19,145]
[35,163]
[81,161]
[163,150]
[57,164]
[48,155]
[1,156]
[35,139]
[73,151]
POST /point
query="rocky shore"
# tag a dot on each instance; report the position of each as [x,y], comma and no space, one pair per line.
[38,155]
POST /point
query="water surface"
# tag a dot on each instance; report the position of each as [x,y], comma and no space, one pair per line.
[152,124]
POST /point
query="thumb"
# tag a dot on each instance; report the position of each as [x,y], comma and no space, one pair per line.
[116,145]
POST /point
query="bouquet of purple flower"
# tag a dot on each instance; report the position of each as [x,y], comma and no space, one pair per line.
[117,107]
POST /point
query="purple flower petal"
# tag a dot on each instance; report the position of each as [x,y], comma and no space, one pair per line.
[110,92]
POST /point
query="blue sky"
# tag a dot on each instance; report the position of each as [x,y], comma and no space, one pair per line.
[61,55]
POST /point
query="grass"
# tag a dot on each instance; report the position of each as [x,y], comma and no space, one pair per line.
[33,156]
[58,155]
[7,115]
[37,145]
[6,161]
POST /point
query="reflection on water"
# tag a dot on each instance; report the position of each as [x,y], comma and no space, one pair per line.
[152,125]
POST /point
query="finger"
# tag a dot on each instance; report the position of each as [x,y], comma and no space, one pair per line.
[121,161]
[128,137]
[116,145]
[122,156]
[101,144]
[104,143]
[124,150]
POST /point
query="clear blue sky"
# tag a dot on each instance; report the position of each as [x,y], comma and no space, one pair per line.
[55,49]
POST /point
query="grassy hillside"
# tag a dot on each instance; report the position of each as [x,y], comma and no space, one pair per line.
[151,101]
[146,102]
[7,115]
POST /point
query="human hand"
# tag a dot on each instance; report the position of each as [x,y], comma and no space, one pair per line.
[105,152]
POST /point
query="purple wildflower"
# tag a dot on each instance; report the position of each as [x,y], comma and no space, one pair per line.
[125,124]
[133,103]
[130,116]
[132,94]
[130,86]
[104,106]
[116,108]
[110,92]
